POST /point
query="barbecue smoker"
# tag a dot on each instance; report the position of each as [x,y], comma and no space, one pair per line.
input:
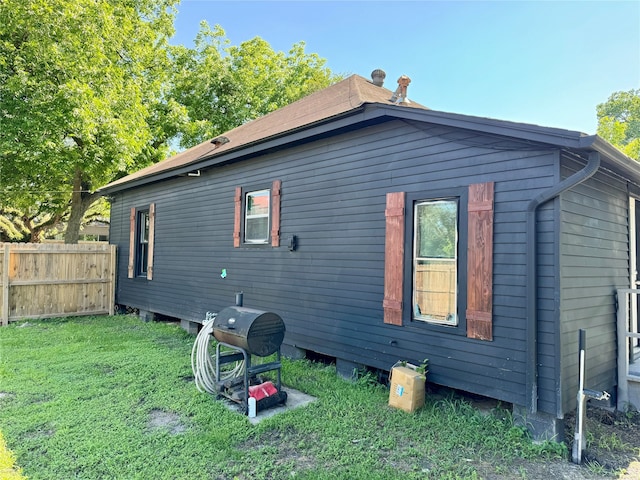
[242,333]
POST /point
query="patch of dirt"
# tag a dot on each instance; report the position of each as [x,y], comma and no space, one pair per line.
[291,446]
[162,420]
[612,452]
[613,442]
[44,431]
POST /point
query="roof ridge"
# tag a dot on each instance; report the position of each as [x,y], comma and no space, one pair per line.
[342,97]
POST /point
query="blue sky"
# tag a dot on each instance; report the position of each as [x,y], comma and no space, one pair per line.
[542,62]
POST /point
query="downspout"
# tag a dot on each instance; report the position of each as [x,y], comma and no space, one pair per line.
[577,178]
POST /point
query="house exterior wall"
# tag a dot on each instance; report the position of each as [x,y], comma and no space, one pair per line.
[330,290]
[594,262]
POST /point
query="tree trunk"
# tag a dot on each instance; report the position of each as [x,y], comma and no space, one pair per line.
[81,200]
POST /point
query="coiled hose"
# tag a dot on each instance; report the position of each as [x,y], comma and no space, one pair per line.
[204,366]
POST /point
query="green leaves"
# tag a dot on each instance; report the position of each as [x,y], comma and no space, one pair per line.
[79,84]
[91,91]
[223,86]
[619,122]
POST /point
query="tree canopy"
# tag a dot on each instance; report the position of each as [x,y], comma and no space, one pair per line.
[223,86]
[619,121]
[92,91]
[80,83]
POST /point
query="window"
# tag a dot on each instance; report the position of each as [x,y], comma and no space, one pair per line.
[256,217]
[435,261]
[141,239]
[142,251]
[443,277]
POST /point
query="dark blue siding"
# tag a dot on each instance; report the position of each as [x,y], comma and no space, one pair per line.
[594,263]
[330,291]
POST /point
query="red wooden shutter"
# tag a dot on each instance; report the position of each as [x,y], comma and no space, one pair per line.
[480,262]
[132,242]
[152,227]
[275,213]
[237,217]
[393,258]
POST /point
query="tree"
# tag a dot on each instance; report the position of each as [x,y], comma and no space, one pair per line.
[619,122]
[223,86]
[82,100]
[91,91]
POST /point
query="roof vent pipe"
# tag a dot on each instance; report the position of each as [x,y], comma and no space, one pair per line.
[400,95]
[221,140]
[377,77]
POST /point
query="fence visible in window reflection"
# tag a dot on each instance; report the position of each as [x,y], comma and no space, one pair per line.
[435,261]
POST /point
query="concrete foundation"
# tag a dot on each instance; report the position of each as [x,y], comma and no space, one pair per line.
[190,327]
[146,316]
[294,353]
[633,392]
[348,370]
[543,426]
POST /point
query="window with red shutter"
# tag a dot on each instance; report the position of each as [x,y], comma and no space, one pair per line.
[275,213]
[257,216]
[394,258]
[141,241]
[480,262]
[449,281]
[150,240]
[132,243]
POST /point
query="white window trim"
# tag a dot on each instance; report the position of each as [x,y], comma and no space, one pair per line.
[248,217]
[453,322]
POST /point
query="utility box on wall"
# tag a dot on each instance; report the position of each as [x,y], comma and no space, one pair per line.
[407,388]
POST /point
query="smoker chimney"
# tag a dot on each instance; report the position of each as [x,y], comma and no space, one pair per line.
[400,95]
[377,77]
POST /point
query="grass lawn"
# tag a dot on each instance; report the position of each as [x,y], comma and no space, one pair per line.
[77,397]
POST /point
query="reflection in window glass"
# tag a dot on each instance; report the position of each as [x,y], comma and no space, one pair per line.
[256,219]
[435,261]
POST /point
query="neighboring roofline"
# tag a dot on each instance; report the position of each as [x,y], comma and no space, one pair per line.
[371,113]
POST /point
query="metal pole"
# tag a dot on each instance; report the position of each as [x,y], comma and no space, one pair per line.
[579,437]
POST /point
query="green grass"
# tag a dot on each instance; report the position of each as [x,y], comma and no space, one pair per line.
[77,396]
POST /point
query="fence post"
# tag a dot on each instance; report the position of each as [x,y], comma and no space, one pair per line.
[4,316]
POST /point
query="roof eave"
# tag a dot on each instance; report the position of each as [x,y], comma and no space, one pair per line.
[368,113]
[297,135]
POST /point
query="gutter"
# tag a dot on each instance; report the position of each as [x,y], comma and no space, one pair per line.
[592,166]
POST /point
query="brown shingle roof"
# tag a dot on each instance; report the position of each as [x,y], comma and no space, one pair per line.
[342,97]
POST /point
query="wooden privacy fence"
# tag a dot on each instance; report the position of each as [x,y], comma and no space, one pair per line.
[436,288]
[56,280]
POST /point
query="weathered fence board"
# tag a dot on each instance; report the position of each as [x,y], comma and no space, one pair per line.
[435,287]
[54,280]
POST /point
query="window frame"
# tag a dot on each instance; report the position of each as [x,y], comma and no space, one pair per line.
[135,267]
[245,217]
[417,258]
[241,213]
[461,196]
[142,244]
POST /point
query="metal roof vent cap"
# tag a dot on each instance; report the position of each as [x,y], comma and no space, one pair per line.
[377,77]
[219,141]
[400,95]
